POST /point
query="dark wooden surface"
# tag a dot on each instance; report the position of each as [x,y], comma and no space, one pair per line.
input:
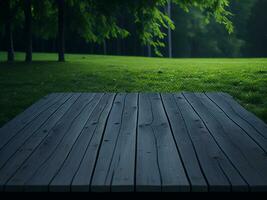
[104,142]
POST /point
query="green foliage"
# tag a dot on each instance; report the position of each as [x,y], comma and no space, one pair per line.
[151,19]
[211,8]
[93,25]
[44,19]
[97,20]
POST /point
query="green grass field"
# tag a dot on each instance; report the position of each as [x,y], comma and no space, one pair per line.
[22,84]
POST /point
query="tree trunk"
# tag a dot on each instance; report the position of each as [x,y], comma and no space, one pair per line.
[28,30]
[9,35]
[194,48]
[149,52]
[169,31]
[105,47]
[61,27]
[118,46]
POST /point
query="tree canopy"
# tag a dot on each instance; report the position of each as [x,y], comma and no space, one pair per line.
[146,21]
[98,20]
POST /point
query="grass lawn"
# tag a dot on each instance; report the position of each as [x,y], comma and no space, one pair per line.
[22,84]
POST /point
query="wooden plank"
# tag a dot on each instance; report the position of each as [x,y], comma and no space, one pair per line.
[68,124]
[247,157]
[158,165]
[168,142]
[14,144]
[247,127]
[87,143]
[23,152]
[115,167]
[44,175]
[123,176]
[82,178]
[184,144]
[247,116]
[13,127]
[108,144]
[216,167]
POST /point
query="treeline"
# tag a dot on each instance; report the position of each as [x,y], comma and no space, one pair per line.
[194,38]
[44,26]
[14,13]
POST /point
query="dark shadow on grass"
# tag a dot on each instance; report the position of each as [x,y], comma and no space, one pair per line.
[43,62]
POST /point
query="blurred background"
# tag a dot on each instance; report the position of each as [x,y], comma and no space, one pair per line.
[192,37]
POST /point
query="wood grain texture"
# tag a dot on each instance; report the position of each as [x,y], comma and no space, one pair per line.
[258,136]
[48,146]
[215,165]
[156,170]
[125,142]
[247,157]
[46,172]
[15,143]
[13,127]
[249,117]
[24,151]
[115,166]
[73,171]
[184,144]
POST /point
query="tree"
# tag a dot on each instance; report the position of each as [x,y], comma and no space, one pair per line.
[151,19]
[9,34]
[169,31]
[8,16]
[105,47]
[257,30]
[195,37]
[28,30]
[98,20]
[61,29]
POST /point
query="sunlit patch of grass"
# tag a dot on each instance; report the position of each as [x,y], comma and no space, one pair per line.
[22,84]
